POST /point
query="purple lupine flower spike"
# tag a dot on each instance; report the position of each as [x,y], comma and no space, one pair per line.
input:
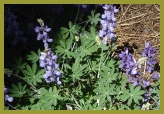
[149,53]
[108,22]
[7,98]
[48,58]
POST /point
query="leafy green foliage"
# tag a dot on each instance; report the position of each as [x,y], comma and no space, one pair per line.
[91,74]
[49,97]
[132,94]
[77,70]
[64,48]
[105,92]
[33,75]
[94,19]
[17,90]
[71,31]
[17,65]
[88,45]
[34,57]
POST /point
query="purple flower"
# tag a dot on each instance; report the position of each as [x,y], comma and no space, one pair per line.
[42,34]
[149,53]
[12,28]
[5,90]
[133,80]
[84,8]
[145,83]
[47,58]
[10,99]
[147,95]
[128,63]
[108,22]
[7,97]
[57,8]
[155,75]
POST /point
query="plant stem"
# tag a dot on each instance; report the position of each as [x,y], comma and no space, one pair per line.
[82,22]
[77,14]
[100,61]
[152,97]
[75,101]
[12,106]
[106,57]
[33,87]
[73,46]
[144,68]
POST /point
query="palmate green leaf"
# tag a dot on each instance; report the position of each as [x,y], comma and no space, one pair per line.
[29,69]
[64,30]
[67,66]
[93,31]
[33,76]
[64,51]
[77,70]
[17,65]
[130,101]
[60,50]
[34,67]
[51,97]
[73,29]
[111,63]
[33,57]
[70,24]
[88,45]
[25,108]
[66,35]
[123,97]
[62,43]
[17,91]
[108,75]
[75,66]
[69,43]
[95,106]
[135,94]
[105,91]
[94,19]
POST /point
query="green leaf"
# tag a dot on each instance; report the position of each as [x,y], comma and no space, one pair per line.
[64,30]
[17,91]
[130,101]
[15,87]
[76,65]
[33,57]
[34,67]
[135,94]
[67,66]
[32,75]
[40,72]
[17,65]
[29,69]
[62,43]
[50,97]
[94,19]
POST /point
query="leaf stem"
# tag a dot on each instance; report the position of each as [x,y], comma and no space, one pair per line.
[33,87]
[12,106]
[77,14]
[152,97]
[75,101]
[100,61]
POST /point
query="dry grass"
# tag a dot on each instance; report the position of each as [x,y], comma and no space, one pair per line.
[137,23]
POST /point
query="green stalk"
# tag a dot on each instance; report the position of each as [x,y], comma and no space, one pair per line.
[77,14]
[33,87]
[100,61]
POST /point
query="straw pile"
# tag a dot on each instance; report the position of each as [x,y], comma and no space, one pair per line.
[137,23]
